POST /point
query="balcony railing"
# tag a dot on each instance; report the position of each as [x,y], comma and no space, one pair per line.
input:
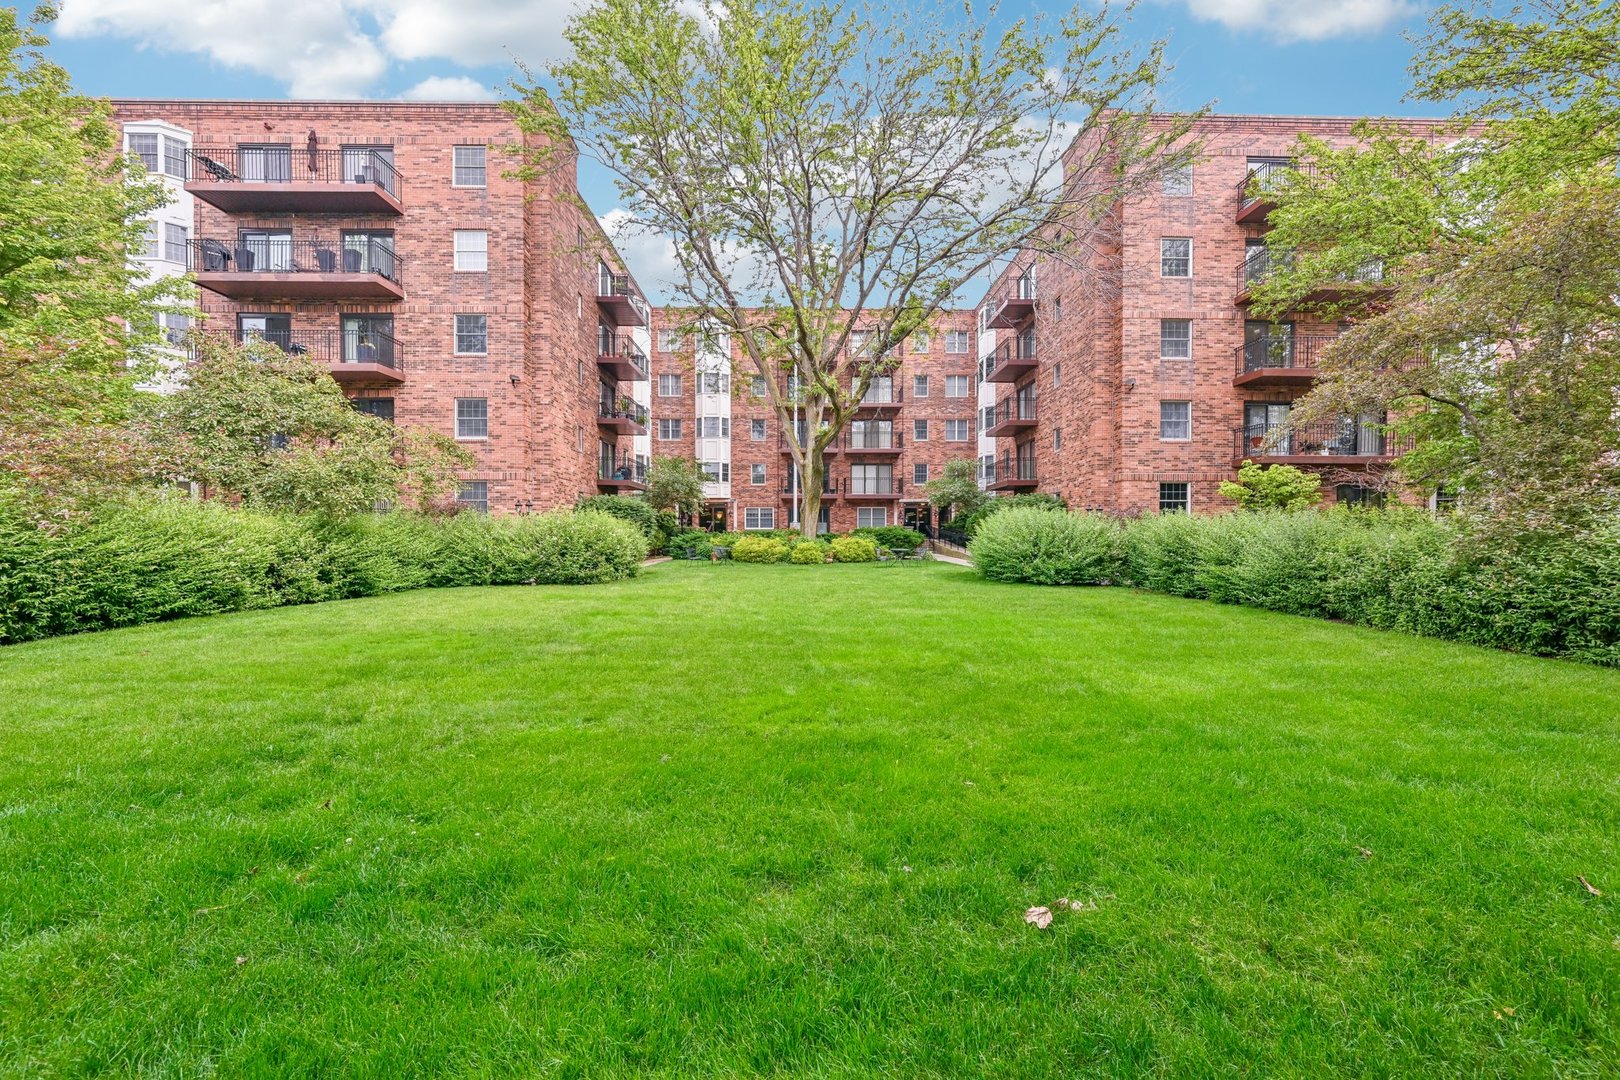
[1252,202]
[1261,262]
[1280,358]
[623,359]
[886,439]
[882,396]
[792,487]
[622,416]
[617,297]
[1012,472]
[1015,305]
[1010,416]
[1011,361]
[863,487]
[353,355]
[627,472]
[1344,438]
[281,179]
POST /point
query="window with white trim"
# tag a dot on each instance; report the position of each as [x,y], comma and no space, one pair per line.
[871,517]
[669,429]
[474,495]
[174,157]
[714,382]
[148,248]
[471,249]
[756,473]
[958,341]
[1177,182]
[472,335]
[756,430]
[958,386]
[714,427]
[920,342]
[1175,339]
[717,471]
[471,167]
[919,386]
[1174,498]
[670,340]
[756,518]
[174,242]
[756,386]
[1175,256]
[1175,421]
[919,430]
[919,472]
[669,386]
[144,145]
[472,418]
[957,430]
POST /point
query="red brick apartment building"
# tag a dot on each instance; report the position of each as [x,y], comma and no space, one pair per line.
[1145,395]
[707,404]
[387,241]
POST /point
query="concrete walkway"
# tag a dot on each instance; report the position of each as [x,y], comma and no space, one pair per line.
[946,553]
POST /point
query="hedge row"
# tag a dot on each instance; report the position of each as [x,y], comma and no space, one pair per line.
[1547,595]
[166,559]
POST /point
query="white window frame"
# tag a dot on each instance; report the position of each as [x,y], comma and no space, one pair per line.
[462,256]
[871,517]
[1169,423]
[1163,355]
[919,472]
[471,419]
[958,342]
[756,473]
[919,431]
[1186,500]
[1166,257]
[480,505]
[757,430]
[964,426]
[1177,183]
[670,425]
[919,386]
[714,427]
[457,334]
[759,518]
[958,386]
[670,340]
[174,250]
[667,380]
[456,165]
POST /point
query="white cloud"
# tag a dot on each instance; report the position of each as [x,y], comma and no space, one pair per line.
[314,47]
[1302,20]
[449,88]
[472,32]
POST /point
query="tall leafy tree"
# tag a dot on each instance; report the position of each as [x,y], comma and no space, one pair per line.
[676,484]
[831,178]
[75,318]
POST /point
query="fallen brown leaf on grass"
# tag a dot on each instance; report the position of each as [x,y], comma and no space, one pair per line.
[1039,917]
[1365,853]
[1588,886]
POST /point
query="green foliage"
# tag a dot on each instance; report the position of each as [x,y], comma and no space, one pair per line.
[634,509]
[754,548]
[809,553]
[675,484]
[156,559]
[892,536]
[1031,499]
[956,490]
[1273,487]
[1029,543]
[853,549]
[689,544]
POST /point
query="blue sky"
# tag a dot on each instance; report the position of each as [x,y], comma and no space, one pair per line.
[1314,57]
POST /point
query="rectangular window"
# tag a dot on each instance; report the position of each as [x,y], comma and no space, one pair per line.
[1177,183]
[919,386]
[471,249]
[670,340]
[470,167]
[472,418]
[148,248]
[175,327]
[756,385]
[958,341]
[265,163]
[1057,439]
[919,473]
[714,382]
[174,157]
[1057,375]
[1175,421]
[860,342]
[380,407]
[871,479]
[669,386]
[669,429]
[717,471]
[759,517]
[957,386]
[1174,499]
[756,474]
[920,342]
[1175,339]
[919,430]
[474,495]
[871,517]
[1175,257]
[957,430]
[145,147]
[472,335]
[714,427]
[364,252]
[174,242]
[756,430]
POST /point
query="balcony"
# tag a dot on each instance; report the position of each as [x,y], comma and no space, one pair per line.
[1011,362]
[829,488]
[1012,417]
[627,475]
[1279,361]
[882,397]
[353,356]
[1252,203]
[619,301]
[783,446]
[869,490]
[1012,474]
[873,443]
[623,360]
[1015,306]
[1260,263]
[624,418]
[294,270]
[276,180]
[1345,442]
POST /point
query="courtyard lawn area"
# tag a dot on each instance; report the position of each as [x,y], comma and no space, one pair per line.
[732,820]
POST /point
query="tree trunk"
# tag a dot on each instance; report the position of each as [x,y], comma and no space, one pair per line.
[810,485]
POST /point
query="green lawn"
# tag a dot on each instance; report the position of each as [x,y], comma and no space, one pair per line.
[723,821]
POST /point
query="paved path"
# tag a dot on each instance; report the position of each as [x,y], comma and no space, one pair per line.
[950,554]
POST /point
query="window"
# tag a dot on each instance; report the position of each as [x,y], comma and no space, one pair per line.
[364,252]
[471,249]
[669,386]
[148,248]
[756,386]
[919,430]
[987,467]
[756,430]
[472,418]
[1057,439]
[174,242]
[269,163]
[367,339]
[920,342]
[919,473]
[1175,257]
[175,327]
[174,157]
[717,471]
[1355,495]
[957,386]
[919,386]
[860,342]
[474,495]
[714,382]
[1057,375]
[987,416]
[472,335]
[1445,500]
[871,517]
[370,165]
[714,427]
[380,407]
[1057,309]
[1177,183]
[958,341]
[670,340]
[871,479]
[1174,499]
[470,167]
[1175,339]
[1175,420]
[145,147]
[669,429]
[759,517]
[957,430]
[756,474]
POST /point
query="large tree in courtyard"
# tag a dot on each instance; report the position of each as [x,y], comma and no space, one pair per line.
[832,179]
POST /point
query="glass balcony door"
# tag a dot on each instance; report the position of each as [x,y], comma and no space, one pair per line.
[1267,345]
[369,165]
[369,253]
[1260,419]
[368,339]
[269,163]
[276,329]
[267,250]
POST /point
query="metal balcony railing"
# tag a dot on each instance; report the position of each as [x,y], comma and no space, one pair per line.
[1018,407]
[1018,354]
[886,393]
[332,346]
[881,439]
[1259,263]
[626,470]
[623,410]
[277,256]
[370,166]
[829,486]
[1011,469]
[1281,351]
[1251,190]
[623,347]
[1345,437]
[870,486]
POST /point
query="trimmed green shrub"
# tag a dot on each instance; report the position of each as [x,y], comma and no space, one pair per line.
[1161,554]
[759,549]
[854,549]
[892,536]
[690,544]
[969,523]
[632,508]
[1032,544]
[809,553]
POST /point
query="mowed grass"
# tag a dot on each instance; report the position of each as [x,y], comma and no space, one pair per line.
[725,821]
